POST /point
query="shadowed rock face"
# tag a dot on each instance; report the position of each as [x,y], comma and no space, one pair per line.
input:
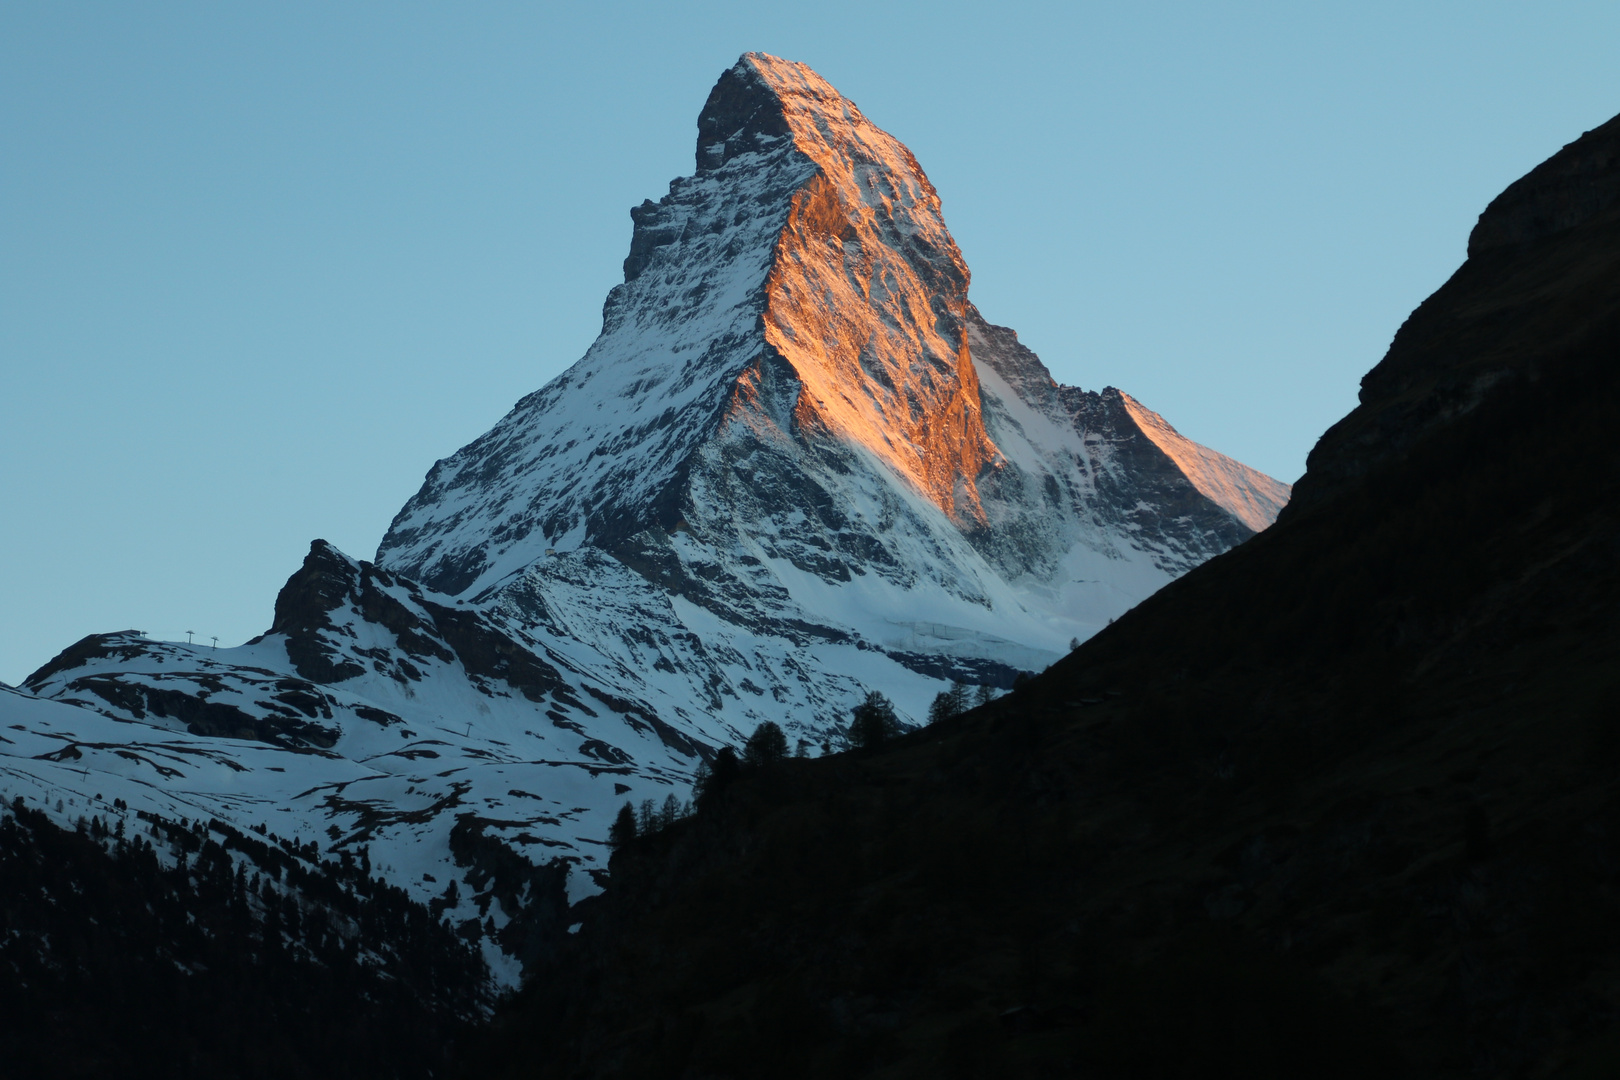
[304,608]
[1529,292]
[1574,186]
[329,582]
[742,112]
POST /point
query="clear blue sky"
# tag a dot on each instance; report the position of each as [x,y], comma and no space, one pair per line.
[261,264]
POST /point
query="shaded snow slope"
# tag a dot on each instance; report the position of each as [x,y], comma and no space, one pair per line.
[375,715]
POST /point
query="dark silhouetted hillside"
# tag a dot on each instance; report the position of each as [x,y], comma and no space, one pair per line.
[1343,802]
[115,962]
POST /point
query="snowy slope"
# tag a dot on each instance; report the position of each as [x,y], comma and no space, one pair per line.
[797,465]
[429,718]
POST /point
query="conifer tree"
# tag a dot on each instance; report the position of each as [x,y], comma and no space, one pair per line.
[670,812]
[714,777]
[873,722]
[766,746]
[623,829]
[948,703]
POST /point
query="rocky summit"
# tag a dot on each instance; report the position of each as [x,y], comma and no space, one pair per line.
[797,466]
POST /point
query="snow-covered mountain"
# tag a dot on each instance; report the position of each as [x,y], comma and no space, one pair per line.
[796,465]
[796,428]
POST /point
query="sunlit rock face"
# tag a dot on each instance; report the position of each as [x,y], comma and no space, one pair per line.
[867,298]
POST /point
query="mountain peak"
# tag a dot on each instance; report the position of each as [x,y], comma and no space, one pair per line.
[792,371]
[744,108]
[762,99]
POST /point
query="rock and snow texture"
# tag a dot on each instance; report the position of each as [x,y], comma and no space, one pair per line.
[795,422]
[796,465]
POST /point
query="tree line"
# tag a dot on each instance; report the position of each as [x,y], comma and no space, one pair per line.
[238,958]
[872,723]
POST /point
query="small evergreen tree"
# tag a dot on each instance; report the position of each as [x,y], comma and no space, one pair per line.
[986,694]
[646,818]
[670,812]
[715,776]
[873,722]
[948,703]
[623,830]
[765,747]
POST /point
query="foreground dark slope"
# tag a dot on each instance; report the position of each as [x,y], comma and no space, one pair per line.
[117,960]
[1345,801]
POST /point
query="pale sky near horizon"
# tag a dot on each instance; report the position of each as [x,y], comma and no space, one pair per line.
[261,265]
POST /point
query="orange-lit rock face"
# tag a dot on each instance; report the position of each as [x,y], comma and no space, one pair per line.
[867,298]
